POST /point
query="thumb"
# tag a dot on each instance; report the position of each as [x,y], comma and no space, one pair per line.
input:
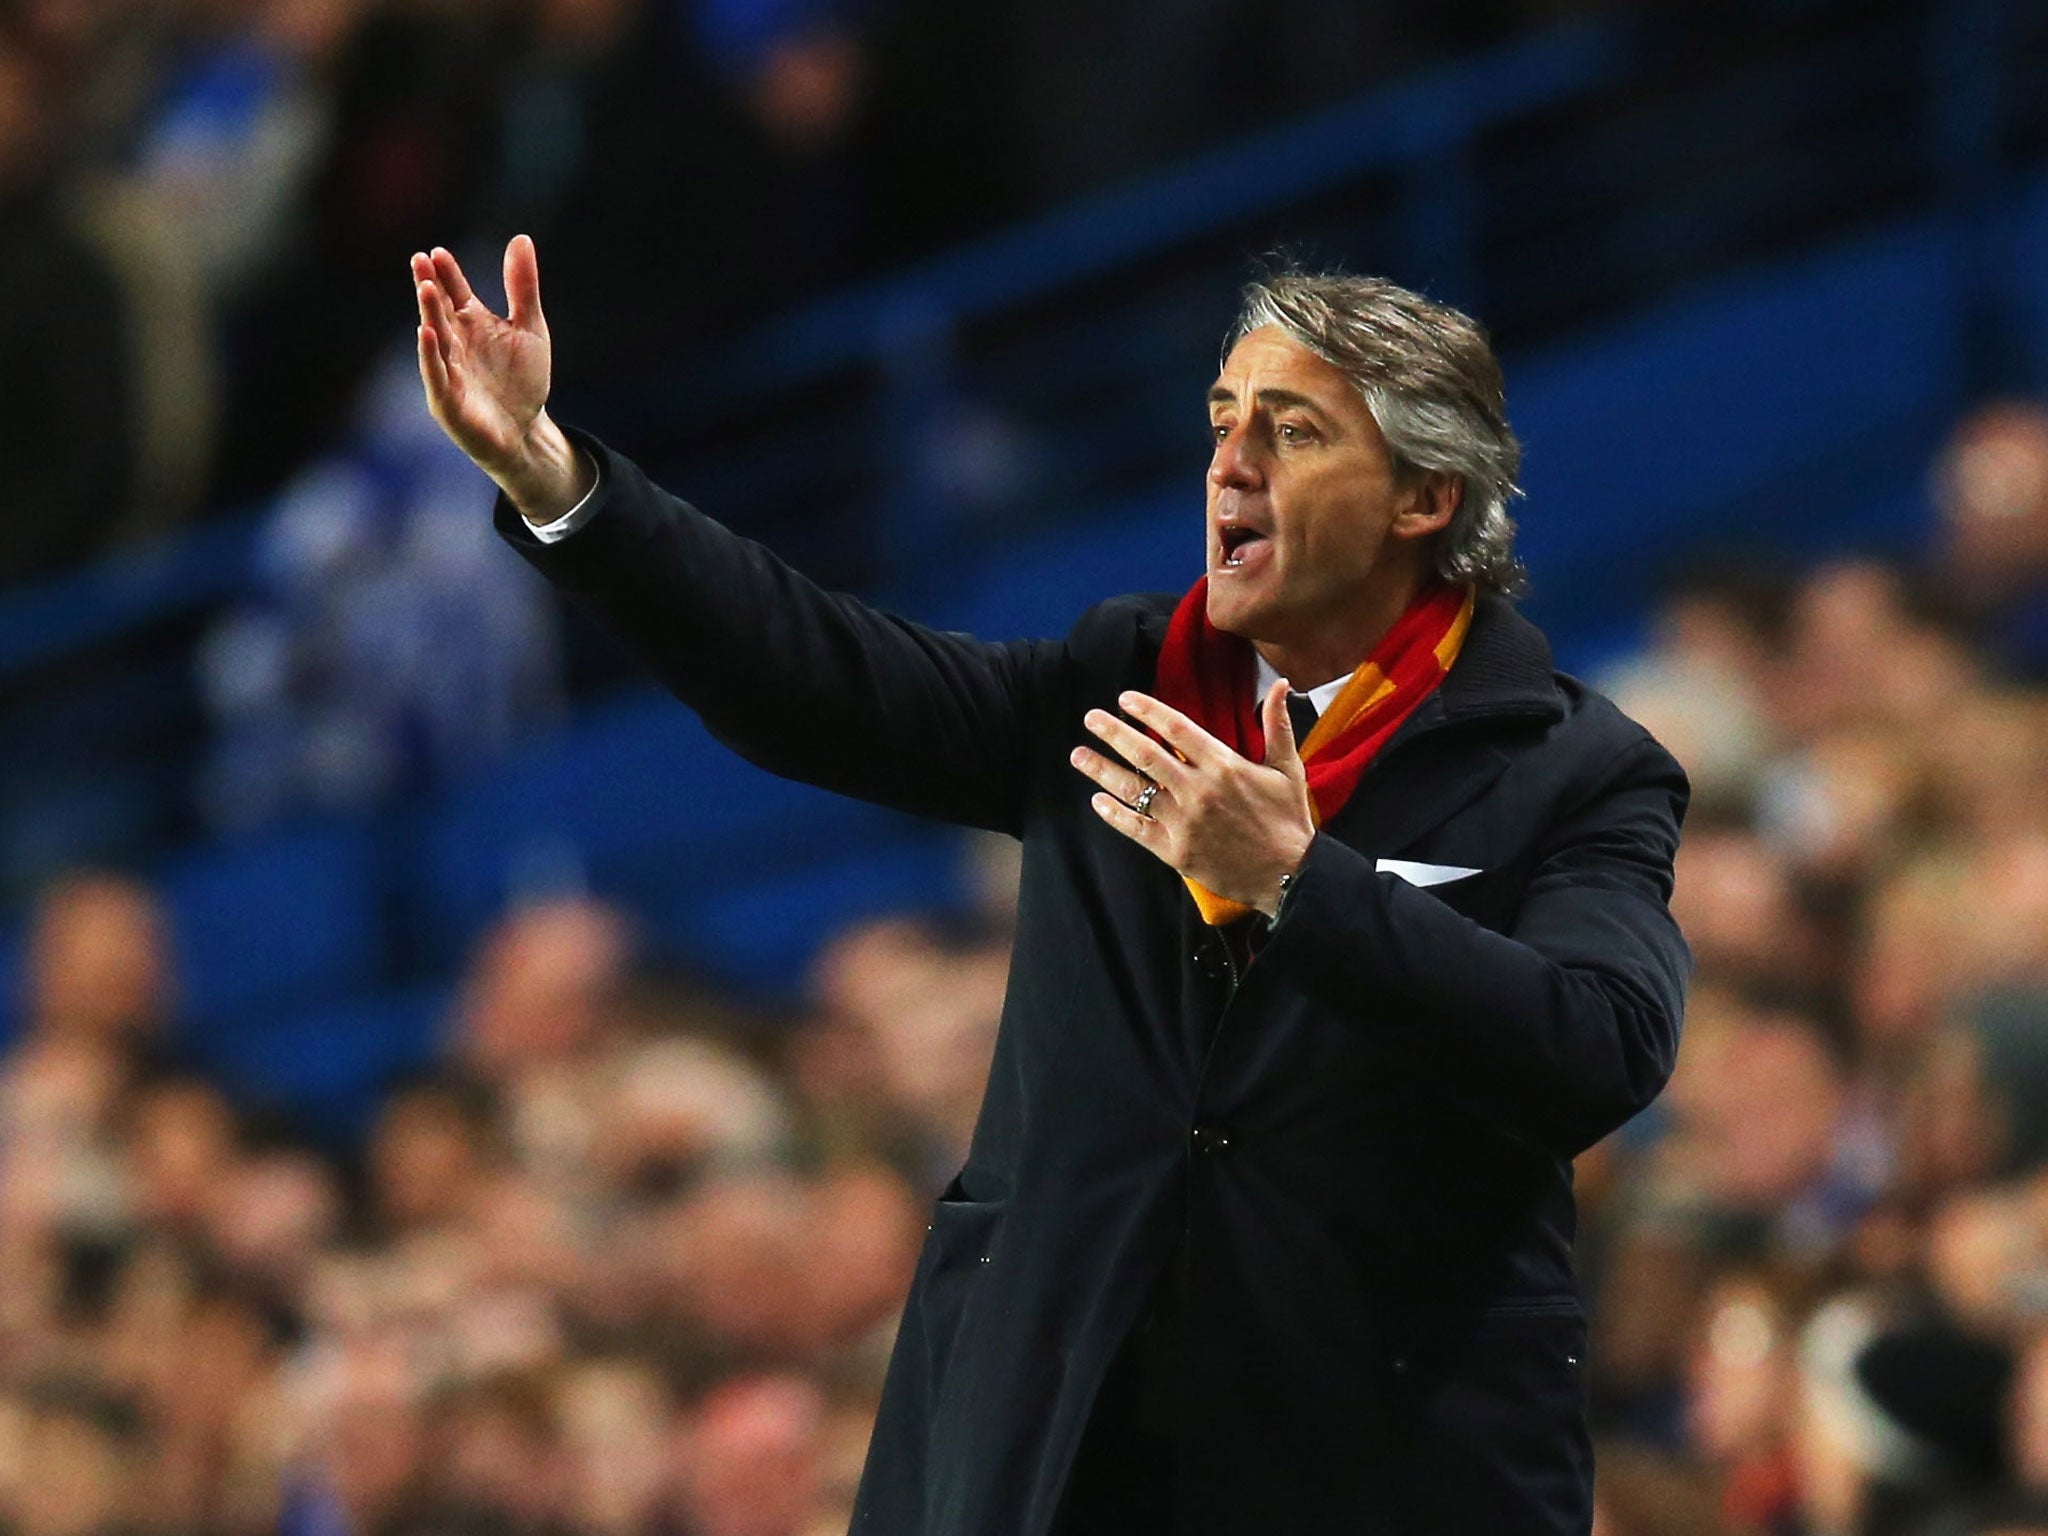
[522,284]
[1282,751]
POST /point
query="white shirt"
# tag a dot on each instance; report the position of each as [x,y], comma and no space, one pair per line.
[574,518]
[1322,697]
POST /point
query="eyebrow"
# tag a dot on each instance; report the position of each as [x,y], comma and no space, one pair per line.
[1222,394]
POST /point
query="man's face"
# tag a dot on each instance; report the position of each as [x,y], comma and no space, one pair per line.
[1302,492]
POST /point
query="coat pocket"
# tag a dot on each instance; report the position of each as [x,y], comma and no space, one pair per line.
[959,1244]
[1493,1415]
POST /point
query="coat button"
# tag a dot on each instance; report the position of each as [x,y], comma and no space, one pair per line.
[1211,960]
[1211,1138]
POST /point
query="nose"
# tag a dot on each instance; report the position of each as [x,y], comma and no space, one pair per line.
[1235,464]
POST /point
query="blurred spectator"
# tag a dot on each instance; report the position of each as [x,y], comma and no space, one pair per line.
[202,202]
[912,1024]
[534,1019]
[1742,1387]
[414,97]
[1991,486]
[1896,1427]
[749,1461]
[99,964]
[1818,1265]
[1738,902]
[68,415]
[1644,1493]
[430,1153]
[271,1217]
[181,1140]
[602,1273]
[390,648]
[78,1463]
[1702,687]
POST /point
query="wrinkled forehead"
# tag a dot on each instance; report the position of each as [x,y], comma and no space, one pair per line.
[1270,358]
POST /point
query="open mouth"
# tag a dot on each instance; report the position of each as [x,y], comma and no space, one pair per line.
[1237,542]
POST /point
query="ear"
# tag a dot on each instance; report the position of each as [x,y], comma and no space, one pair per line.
[1430,504]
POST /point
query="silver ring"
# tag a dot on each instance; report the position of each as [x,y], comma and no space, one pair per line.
[1143,804]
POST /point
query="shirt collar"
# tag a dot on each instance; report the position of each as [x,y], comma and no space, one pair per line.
[1322,697]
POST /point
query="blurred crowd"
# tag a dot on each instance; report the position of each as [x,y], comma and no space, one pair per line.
[627,1260]
[1818,1267]
[387,642]
[206,205]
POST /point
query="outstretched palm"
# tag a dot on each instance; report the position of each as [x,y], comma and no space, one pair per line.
[486,375]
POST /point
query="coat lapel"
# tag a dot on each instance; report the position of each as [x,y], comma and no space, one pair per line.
[1425,784]
[1447,754]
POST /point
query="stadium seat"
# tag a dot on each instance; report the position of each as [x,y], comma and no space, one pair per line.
[613,805]
[763,935]
[290,920]
[325,1068]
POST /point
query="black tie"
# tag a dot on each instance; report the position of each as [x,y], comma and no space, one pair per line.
[1301,712]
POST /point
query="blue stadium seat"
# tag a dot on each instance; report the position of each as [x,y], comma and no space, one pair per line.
[290,920]
[2025,257]
[12,980]
[1637,431]
[763,935]
[326,1068]
[615,804]
[1037,586]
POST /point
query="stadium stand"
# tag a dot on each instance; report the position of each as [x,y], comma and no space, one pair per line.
[543,1150]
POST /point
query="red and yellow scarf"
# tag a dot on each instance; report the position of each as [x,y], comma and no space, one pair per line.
[1211,677]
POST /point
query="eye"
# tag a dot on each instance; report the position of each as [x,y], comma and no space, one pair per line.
[1219,430]
[1293,432]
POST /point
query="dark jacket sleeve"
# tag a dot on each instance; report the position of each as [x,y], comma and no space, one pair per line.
[1555,1031]
[804,683]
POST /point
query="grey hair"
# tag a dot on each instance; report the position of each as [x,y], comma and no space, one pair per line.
[1431,381]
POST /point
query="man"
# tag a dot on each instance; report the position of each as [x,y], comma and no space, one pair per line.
[1266,1225]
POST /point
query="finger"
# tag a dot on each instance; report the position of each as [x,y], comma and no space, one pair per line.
[1114,777]
[522,284]
[1136,748]
[433,367]
[1193,743]
[1142,830]
[449,271]
[438,316]
[1282,750]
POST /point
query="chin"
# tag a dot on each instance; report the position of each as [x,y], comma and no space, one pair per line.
[1235,613]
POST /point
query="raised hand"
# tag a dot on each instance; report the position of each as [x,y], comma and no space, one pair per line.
[1231,825]
[486,378]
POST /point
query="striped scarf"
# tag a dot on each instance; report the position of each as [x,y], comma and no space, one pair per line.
[1211,677]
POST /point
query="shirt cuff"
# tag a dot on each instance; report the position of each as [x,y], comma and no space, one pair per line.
[576,516]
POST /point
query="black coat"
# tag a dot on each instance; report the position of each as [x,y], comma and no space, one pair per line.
[1358,1145]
